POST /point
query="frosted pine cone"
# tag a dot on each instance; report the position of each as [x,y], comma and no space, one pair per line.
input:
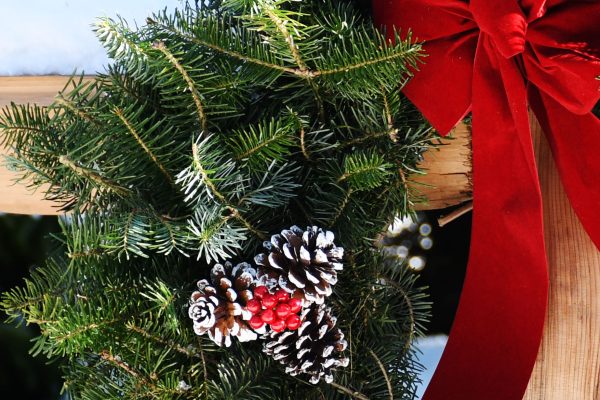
[314,349]
[218,309]
[307,261]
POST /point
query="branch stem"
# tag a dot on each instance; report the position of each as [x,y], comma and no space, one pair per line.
[119,113]
[385,375]
[188,80]
[355,394]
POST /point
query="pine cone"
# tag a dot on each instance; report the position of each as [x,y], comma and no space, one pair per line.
[301,260]
[219,308]
[314,349]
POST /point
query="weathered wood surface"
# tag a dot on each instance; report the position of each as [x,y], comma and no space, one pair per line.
[17,198]
[449,171]
[568,361]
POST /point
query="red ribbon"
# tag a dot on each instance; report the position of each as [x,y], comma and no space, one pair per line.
[494,58]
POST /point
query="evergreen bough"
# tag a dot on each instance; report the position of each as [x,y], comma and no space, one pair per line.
[215,127]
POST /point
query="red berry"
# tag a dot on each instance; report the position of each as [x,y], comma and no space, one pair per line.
[260,291]
[278,325]
[282,296]
[268,316]
[293,322]
[269,301]
[253,306]
[256,322]
[295,305]
[283,310]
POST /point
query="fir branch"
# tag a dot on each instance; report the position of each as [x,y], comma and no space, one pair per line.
[119,113]
[411,313]
[159,45]
[122,43]
[303,144]
[339,210]
[60,100]
[268,8]
[384,373]
[165,342]
[94,176]
[270,139]
[364,171]
[353,393]
[154,391]
[81,329]
[203,358]
[205,178]
[362,64]
[368,136]
[238,55]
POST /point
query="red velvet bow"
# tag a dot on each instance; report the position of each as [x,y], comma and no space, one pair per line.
[494,58]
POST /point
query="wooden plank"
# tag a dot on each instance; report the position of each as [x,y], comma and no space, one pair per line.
[449,172]
[17,198]
[30,89]
[568,361]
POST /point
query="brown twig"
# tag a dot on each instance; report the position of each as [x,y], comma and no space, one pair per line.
[353,393]
[455,214]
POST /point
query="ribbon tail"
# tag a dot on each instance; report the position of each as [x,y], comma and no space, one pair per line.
[575,143]
[498,326]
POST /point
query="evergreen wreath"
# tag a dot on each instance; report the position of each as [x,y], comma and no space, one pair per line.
[216,127]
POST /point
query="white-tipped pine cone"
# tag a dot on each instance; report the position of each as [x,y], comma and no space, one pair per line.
[314,349]
[307,261]
[218,308]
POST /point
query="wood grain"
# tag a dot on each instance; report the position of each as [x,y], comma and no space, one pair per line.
[448,181]
[568,361]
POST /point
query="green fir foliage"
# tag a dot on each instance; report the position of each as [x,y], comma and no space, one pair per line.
[215,127]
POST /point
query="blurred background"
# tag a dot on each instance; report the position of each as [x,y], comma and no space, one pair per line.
[24,243]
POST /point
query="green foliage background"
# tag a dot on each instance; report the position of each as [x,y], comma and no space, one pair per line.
[213,129]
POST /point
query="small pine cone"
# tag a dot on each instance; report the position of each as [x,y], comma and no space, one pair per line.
[314,349]
[219,309]
[304,260]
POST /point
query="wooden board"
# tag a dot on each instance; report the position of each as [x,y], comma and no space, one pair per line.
[448,181]
[18,199]
[568,361]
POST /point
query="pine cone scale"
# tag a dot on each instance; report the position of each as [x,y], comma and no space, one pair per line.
[303,261]
[216,309]
[315,348]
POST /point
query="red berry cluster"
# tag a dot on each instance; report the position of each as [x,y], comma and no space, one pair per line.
[277,310]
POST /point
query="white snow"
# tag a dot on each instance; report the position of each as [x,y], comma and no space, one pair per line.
[55,36]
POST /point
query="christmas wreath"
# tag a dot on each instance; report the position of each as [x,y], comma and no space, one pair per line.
[225,182]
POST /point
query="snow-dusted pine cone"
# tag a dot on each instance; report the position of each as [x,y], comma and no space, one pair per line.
[218,309]
[304,260]
[314,349]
